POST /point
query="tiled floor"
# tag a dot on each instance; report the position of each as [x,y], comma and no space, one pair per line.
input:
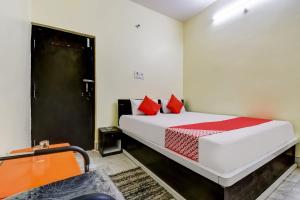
[288,190]
[110,164]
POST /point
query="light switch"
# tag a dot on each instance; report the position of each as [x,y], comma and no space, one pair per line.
[138,75]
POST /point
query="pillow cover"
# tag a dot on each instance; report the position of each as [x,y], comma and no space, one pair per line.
[135,107]
[175,105]
[165,109]
[149,107]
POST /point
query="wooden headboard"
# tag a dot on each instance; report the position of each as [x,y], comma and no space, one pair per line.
[124,107]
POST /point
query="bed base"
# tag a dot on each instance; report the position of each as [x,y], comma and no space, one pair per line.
[191,185]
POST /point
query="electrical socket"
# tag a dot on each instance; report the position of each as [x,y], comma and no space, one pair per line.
[138,75]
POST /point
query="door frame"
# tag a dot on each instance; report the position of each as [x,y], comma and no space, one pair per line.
[94,69]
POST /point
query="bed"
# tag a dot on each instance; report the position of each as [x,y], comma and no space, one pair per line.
[237,164]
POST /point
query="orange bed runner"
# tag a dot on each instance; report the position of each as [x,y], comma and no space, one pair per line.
[24,174]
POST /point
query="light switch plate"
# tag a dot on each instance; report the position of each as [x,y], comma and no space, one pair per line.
[138,75]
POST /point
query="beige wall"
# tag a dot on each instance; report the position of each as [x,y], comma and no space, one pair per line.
[249,65]
[14,75]
[155,49]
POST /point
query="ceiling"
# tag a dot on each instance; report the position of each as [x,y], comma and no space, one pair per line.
[178,9]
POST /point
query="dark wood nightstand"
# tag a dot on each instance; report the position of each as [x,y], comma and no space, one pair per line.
[110,141]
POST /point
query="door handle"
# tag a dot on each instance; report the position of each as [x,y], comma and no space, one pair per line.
[88,81]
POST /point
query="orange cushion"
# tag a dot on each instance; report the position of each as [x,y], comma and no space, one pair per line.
[174,105]
[149,107]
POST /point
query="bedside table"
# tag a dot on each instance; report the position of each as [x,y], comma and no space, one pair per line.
[110,141]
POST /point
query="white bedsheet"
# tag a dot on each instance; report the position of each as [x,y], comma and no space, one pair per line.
[221,153]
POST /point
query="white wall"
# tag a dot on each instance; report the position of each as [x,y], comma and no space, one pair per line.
[14,74]
[155,49]
[248,65]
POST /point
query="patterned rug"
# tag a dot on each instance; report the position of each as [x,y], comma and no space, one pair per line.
[135,184]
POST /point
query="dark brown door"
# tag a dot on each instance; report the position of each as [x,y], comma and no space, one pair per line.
[62,92]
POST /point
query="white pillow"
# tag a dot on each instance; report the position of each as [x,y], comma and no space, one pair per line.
[135,104]
[164,103]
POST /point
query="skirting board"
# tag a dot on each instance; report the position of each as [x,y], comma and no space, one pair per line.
[161,182]
[269,191]
[263,196]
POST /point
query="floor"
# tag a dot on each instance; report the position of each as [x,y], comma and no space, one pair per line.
[288,190]
[110,164]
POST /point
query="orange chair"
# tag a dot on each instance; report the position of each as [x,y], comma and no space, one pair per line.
[26,169]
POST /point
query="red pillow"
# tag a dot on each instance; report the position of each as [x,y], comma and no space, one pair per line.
[174,105]
[149,107]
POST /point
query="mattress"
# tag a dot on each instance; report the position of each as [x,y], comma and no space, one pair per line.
[220,153]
